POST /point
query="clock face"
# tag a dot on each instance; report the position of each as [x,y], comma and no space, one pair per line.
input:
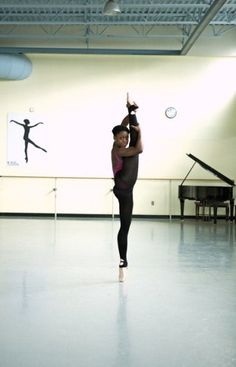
[170,112]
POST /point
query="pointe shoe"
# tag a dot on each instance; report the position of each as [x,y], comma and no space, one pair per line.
[122,274]
[131,105]
[122,270]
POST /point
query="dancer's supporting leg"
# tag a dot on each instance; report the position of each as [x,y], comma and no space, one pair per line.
[125,198]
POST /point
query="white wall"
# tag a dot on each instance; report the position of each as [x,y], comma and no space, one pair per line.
[82,97]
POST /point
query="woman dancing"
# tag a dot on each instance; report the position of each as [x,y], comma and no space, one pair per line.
[125,169]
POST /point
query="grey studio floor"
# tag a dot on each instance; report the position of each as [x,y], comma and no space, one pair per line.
[61,304]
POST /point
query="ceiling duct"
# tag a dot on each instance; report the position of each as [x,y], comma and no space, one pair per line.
[14,67]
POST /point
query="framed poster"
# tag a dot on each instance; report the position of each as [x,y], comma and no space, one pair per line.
[26,140]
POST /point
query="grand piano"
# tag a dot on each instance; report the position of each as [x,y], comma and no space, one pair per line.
[207,194]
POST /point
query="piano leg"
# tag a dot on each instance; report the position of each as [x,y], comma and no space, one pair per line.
[231,204]
[181,208]
[215,213]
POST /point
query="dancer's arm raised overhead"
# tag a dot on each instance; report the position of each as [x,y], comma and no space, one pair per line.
[131,151]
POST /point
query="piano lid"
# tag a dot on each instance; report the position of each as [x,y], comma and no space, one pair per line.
[212,170]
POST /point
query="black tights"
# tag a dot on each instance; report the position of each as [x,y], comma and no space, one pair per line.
[123,190]
[125,198]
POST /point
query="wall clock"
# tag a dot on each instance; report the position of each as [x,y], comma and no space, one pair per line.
[170,112]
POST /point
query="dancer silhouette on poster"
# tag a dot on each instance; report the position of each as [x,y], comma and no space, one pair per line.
[26,136]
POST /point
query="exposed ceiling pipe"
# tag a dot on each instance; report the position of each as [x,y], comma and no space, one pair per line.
[210,14]
[85,51]
[14,67]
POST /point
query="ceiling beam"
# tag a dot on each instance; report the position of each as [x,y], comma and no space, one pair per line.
[210,14]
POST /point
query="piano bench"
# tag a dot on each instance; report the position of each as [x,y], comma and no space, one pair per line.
[210,205]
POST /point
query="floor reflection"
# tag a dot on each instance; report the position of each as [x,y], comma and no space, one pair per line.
[124,347]
[206,245]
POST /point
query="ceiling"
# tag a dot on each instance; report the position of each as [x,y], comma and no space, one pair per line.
[143,27]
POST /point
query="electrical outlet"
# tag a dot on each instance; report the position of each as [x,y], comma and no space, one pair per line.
[152,203]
